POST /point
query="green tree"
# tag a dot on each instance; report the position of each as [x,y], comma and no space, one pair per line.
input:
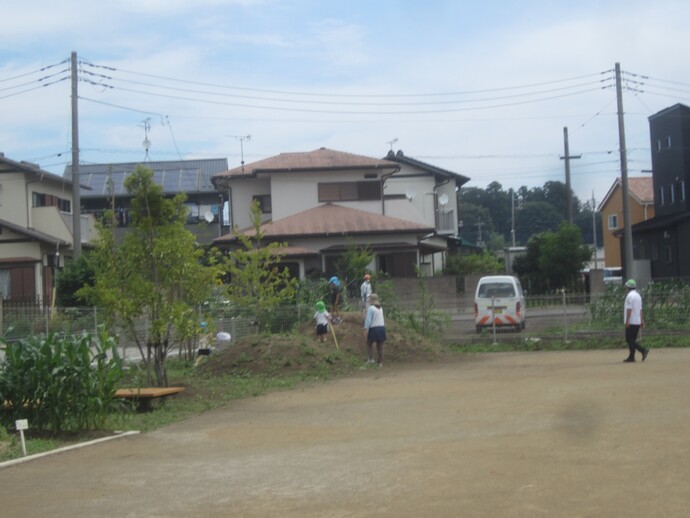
[257,283]
[151,281]
[484,263]
[75,275]
[553,260]
[352,265]
[534,218]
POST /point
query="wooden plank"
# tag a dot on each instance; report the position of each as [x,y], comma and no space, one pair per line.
[147,392]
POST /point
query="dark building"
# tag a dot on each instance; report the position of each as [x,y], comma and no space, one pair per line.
[103,189]
[665,239]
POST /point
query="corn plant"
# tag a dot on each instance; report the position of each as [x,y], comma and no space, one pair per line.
[60,382]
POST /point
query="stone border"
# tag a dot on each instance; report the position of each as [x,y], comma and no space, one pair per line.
[21,460]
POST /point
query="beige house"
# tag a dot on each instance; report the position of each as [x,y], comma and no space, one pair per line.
[320,202]
[641,194]
[35,229]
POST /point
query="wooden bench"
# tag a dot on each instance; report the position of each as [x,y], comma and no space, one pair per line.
[146,395]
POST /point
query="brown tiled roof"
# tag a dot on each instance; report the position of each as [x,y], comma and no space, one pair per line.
[318,160]
[334,220]
[642,188]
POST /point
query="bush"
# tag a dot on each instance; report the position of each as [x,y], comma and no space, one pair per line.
[60,383]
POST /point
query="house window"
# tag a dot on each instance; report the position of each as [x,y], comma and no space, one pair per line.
[613,221]
[349,191]
[661,195]
[5,284]
[668,142]
[668,254]
[658,145]
[264,202]
[672,194]
[681,190]
[48,200]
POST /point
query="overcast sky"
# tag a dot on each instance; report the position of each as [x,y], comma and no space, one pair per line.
[483,89]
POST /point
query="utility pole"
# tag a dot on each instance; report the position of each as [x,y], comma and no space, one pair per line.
[568,190]
[512,213]
[594,230]
[627,228]
[76,193]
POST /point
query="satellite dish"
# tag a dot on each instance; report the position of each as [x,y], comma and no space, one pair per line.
[410,193]
[208,216]
[443,199]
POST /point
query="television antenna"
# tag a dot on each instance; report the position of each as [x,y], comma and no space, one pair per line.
[242,138]
[391,142]
[146,142]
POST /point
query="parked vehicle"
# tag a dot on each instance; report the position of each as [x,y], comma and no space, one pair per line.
[500,301]
[613,275]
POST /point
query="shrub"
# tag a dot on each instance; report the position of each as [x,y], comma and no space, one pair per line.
[60,383]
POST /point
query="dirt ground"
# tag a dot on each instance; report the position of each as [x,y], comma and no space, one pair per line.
[509,434]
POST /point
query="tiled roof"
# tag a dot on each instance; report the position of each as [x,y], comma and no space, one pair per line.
[642,188]
[400,157]
[318,160]
[333,220]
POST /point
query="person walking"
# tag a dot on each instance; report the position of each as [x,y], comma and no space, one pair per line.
[375,329]
[322,318]
[365,290]
[634,320]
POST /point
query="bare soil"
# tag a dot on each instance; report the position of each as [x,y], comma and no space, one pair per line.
[571,433]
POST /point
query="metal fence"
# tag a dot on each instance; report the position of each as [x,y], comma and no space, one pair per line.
[666,308]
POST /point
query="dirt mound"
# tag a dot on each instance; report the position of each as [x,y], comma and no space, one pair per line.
[302,352]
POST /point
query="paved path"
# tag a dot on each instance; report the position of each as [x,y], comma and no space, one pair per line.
[513,434]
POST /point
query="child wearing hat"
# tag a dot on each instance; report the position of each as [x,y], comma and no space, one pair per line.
[322,318]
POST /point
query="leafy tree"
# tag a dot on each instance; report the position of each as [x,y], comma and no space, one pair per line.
[75,275]
[256,281]
[352,265]
[151,281]
[553,260]
[472,216]
[534,218]
[484,263]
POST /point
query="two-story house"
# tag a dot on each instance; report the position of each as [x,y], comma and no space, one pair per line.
[641,203]
[321,202]
[103,189]
[663,240]
[35,229]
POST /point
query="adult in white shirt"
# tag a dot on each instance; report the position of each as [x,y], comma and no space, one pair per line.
[634,320]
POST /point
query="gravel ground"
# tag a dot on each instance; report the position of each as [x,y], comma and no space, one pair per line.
[574,433]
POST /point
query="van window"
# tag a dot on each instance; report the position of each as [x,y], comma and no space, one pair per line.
[497,289]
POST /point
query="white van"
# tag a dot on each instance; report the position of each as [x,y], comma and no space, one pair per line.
[499,300]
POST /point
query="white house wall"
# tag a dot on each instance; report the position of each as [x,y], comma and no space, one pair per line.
[241,200]
[292,193]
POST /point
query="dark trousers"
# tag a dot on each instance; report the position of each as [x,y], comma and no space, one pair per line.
[631,339]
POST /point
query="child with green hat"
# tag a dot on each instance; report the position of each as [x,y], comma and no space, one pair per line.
[322,318]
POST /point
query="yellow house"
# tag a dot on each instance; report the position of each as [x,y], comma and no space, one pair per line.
[641,194]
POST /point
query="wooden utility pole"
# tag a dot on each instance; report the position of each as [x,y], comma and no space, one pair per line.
[76,194]
[568,190]
[627,227]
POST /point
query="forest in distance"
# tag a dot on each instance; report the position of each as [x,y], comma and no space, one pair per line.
[489,215]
